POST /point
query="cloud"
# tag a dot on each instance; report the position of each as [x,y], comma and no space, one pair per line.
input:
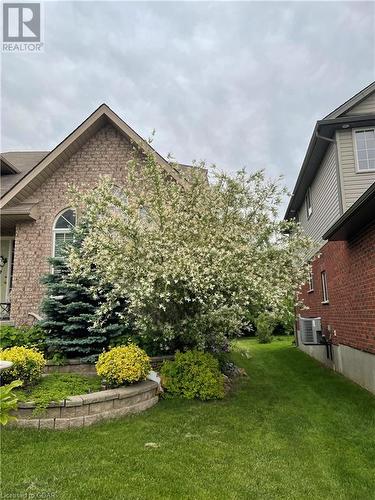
[237,84]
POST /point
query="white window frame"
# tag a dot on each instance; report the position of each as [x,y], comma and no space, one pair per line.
[356,161]
[309,207]
[323,276]
[310,281]
[9,264]
[62,230]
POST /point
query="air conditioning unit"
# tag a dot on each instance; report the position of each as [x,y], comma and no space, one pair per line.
[310,330]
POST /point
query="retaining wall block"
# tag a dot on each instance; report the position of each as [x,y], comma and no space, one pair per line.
[76,422]
[74,401]
[62,423]
[101,407]
[69,411]
[47,423]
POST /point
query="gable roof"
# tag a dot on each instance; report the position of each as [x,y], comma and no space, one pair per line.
[353,101]
[18,164]
[23,161]
[37,169]
[6,166]
[321,137]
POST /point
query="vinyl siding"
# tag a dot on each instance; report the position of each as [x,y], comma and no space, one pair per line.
[324,199]
[364,107]
[354,183]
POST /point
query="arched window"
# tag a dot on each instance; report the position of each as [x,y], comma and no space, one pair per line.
[62,230]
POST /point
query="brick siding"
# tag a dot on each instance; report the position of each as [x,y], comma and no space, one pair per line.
[350,268]
[106,153]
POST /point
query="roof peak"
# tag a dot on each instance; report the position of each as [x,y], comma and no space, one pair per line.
[72,142]
[352,101]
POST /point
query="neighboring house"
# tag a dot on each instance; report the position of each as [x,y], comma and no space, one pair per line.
[334,200]
[35,212]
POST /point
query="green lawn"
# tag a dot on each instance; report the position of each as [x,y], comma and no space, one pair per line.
[292,429]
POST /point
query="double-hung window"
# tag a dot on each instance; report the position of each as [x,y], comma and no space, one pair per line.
[364,143]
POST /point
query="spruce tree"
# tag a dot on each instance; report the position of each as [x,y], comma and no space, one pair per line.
[68,309]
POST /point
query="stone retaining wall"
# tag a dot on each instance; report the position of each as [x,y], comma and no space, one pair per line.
[87,409]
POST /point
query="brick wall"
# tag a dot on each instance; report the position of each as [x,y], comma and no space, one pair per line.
[106,153]
[350,268]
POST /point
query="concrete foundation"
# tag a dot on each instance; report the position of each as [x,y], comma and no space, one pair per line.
[358,366]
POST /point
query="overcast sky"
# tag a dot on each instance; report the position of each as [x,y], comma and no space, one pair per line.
[236,84]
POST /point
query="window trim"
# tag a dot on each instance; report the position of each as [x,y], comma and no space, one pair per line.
[9,264]
[60,230]
[324,281]
[354,139]
[309,207]
[310,282]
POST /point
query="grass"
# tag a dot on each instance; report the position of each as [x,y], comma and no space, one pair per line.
[291,430]
[57,387]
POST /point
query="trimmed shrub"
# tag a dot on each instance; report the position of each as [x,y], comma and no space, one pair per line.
[193,374]
[124,364]
[27,365]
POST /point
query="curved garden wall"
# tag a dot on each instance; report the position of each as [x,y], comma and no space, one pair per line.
[87,409]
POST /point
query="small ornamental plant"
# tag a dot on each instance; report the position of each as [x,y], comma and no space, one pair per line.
[27,366]
[193,374]
[8,401]
[123,365]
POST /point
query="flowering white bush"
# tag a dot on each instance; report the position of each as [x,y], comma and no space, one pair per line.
[193,260]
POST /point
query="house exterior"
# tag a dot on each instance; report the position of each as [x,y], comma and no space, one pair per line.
[35,212]
[334,201]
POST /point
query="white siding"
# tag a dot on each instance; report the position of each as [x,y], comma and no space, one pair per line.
[364,107]
[325,199]
[354,183]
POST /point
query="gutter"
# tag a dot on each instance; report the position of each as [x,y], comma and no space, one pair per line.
[26,211]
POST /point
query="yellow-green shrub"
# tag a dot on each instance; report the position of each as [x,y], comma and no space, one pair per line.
[124,364]
[193,374]
[27,364]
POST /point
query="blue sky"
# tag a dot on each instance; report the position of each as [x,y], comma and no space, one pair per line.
[237,84]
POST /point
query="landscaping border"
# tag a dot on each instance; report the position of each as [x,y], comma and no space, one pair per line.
[87,409]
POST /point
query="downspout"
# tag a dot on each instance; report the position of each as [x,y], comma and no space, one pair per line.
[337,165]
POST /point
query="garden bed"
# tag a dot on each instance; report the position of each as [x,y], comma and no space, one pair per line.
[77,366]
[83,409]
